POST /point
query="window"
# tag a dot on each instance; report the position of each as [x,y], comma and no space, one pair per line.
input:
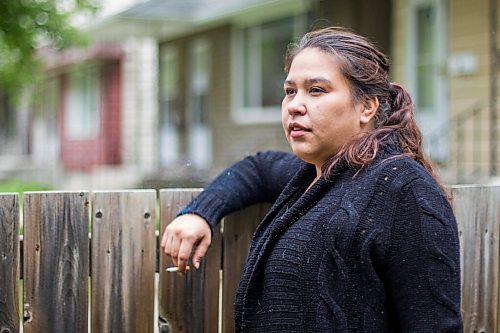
[200,135]
[45,143]
[169,79]
[48,106]
[426,56]
[426,64]
[259,53]
[169,118]
[199,62]
[82,113]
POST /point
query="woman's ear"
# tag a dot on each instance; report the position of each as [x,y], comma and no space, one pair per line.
[369,109]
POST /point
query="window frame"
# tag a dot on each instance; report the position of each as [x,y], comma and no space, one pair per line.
[240,113]
[169,121]
[199,72]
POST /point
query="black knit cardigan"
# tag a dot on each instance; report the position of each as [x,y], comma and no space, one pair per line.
[370,251]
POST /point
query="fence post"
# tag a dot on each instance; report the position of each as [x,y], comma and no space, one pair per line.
[9,263]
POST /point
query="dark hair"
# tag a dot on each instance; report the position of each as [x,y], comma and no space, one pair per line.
[367,71]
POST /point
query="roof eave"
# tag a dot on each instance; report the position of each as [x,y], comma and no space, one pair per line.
[123,25]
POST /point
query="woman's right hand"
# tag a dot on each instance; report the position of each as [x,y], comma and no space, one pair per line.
[183,234]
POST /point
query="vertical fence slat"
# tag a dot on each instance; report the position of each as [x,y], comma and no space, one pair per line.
[189,303]
[56,267]
[123,261]
[9,263]
[238,230]
[477,209]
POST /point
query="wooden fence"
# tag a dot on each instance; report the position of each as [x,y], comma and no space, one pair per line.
[107,284]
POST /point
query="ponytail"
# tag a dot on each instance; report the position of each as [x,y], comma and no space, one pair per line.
[395,126]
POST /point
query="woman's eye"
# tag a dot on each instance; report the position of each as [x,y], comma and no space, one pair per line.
[316,90]
[289,91]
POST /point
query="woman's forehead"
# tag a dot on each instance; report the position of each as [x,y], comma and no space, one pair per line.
[312,63]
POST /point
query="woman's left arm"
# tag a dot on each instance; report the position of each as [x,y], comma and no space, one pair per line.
[423,260]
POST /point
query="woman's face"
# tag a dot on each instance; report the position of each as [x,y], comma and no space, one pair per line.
[318,112]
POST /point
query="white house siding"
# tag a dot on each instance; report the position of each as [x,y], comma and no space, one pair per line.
[140,104]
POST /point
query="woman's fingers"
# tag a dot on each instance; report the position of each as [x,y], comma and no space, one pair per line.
[174,249]
[181,236]
[185,250]
[200,251]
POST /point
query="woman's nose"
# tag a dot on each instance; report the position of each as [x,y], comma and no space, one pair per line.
[296,105]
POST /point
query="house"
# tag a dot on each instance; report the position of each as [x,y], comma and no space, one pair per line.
[172,91]
[93,117]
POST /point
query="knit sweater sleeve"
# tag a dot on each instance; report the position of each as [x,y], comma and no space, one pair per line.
[423,260]
[255,179]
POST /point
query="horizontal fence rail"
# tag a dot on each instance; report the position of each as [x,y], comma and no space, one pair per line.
[89,260]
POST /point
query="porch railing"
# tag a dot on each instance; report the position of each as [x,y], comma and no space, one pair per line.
[467,139]
[106,283]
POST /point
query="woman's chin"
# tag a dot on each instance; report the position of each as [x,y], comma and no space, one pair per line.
[304,155]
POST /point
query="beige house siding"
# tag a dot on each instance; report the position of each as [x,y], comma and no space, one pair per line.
[398,45]
[468,32]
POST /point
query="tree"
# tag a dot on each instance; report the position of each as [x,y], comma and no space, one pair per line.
[27,24]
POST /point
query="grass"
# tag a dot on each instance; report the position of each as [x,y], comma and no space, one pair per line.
[21,186]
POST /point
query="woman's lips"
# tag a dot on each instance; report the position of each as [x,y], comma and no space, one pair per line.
[297,130]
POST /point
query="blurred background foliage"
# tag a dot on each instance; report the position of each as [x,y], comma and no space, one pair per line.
[26,25]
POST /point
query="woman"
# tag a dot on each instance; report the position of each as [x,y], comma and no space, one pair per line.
[361,236]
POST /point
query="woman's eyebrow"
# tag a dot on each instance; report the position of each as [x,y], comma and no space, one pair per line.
[318,80]
[311,81]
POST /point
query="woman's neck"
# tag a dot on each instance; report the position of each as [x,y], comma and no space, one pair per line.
[318,176]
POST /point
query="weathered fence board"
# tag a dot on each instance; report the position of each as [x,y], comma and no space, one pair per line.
[9,263]
[477,210]
[190,303]
[123,261]
[56,265]
[238,231]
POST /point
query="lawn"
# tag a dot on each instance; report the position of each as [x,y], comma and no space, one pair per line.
[20,186]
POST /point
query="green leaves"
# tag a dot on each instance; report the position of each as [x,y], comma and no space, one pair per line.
[26,25]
